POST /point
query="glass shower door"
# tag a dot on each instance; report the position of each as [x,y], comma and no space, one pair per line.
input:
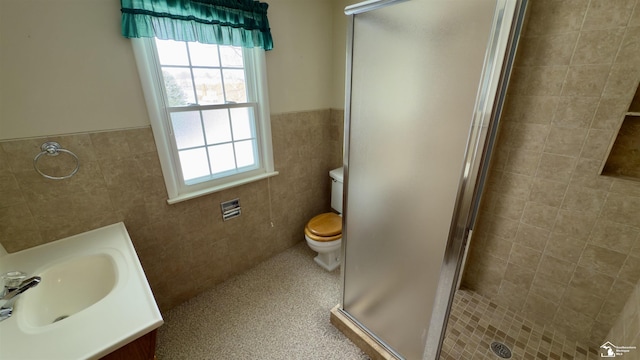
[417,73]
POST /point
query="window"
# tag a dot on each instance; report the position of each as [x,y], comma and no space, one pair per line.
[209,114]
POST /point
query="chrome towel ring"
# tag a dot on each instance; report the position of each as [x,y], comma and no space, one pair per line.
[52,148]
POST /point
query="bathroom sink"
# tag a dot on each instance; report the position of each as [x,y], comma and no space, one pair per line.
[93,298]
[68,288]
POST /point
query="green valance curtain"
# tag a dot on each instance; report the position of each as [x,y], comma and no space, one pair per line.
[225,22]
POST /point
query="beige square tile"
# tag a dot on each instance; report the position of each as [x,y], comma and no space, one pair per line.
[592,281]
[529,109]
[111,145]
[604,14]
[539,215]
[628,187]
[515,185]
[622,209]
[575,112]
[561,269]
[630,48]
[597,144]
[522,162]
[140,140]
[635,17]
[539,308]
[555,17]
[610,113]
[615,301]
[597,47]
[511,295]
[525,257]
[556,167]
[582,302]
[10,193]
[509,208]
[19,230]
[548,193]
[519,276]
[622,81]
[547,80]
[518,81]
[4,161]
[585,80]
[532,237]
[565,247]
[20,153]
[613,236]
[547,287]
[499,158]
[631,269]
[495,246]
[572,323]
[585,199]
[529,137]
[586,174]
[547,50]
[120,172]
[565,141]
[486,273]
[603,260]
[574,224]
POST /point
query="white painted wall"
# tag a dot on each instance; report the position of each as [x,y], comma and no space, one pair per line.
[65,68]
[299,67]
[339,52]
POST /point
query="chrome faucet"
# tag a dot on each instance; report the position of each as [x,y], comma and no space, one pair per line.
[10,294]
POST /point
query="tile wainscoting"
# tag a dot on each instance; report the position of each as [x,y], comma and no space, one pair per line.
[184,248]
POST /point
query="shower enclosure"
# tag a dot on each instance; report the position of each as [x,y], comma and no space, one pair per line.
[425,85]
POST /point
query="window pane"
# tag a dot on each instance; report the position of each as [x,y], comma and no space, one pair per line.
[245,153]
[231,56]
[172,52]
[194,163]
[187,129]
[177,82]
[242,123]
[203,54]
[234,86]
[222,158]
[208,86]
[216,126]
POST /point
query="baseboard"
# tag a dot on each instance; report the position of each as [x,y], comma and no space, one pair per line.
[359,337]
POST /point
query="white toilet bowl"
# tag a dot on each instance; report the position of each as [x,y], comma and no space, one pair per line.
[324,235]
[328,252]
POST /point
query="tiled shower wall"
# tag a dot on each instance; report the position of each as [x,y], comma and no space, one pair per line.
[626,329]
[555,241]
[184,248]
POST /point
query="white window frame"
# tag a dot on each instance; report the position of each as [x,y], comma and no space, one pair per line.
[155,97]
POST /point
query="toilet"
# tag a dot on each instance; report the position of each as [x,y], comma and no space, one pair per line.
[324,232]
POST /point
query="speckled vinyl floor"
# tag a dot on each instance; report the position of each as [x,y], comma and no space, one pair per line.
[280,310]
[277,310]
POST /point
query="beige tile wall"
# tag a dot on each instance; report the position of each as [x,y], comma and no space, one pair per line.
[626,329]
[555,241]
[184,248]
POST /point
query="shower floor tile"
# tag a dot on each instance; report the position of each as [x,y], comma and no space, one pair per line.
[475,322]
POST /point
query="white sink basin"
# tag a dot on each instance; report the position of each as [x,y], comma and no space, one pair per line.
[67,288]
[93,298]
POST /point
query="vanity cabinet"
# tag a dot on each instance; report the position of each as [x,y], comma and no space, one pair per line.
[143,348]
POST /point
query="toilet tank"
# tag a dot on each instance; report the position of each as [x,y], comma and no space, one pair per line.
[336,188]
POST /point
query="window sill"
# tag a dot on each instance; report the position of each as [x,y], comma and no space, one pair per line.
[210,190]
